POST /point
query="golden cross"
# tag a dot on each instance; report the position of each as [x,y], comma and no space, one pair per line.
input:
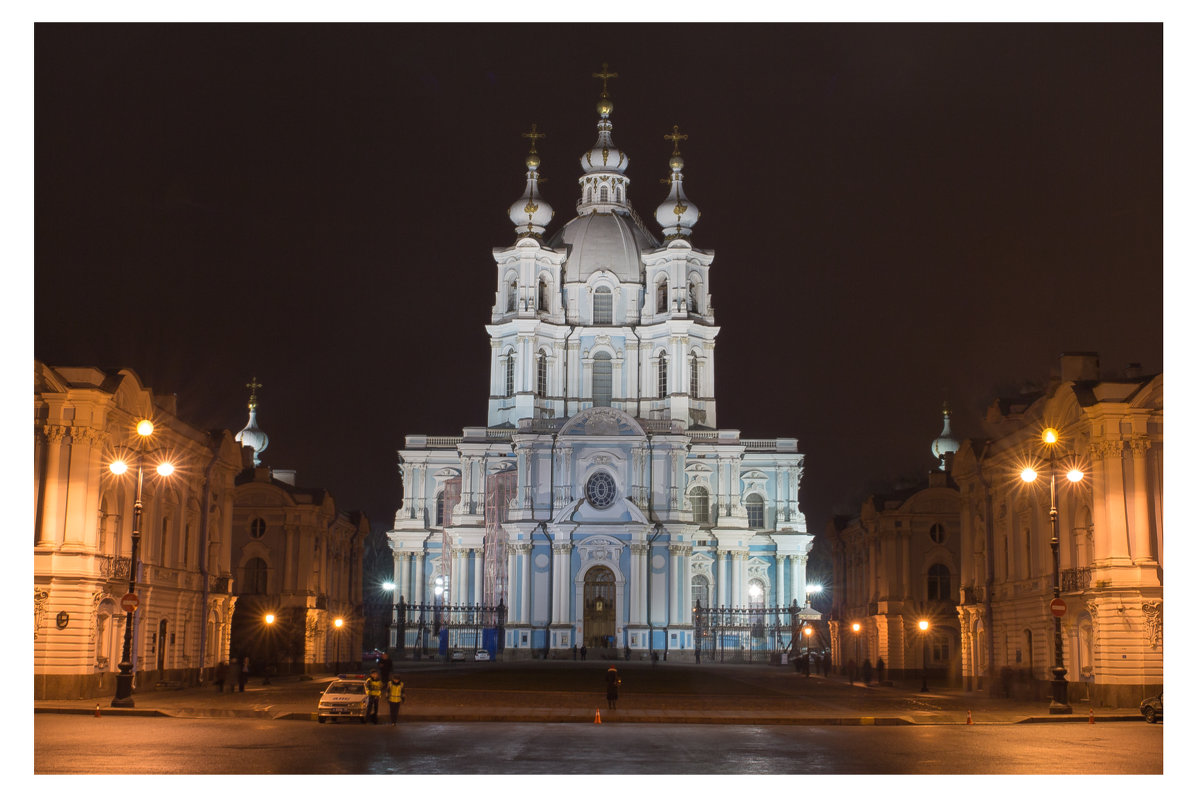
[676,137]
[604,75]
[533,136]
[253,386]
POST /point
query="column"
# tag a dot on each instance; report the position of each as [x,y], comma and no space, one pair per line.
[95,468]
[794,581]
[637,584]
[526,583]
[289,559]
[462,568]
[673,596]
[418,578]
[780,600]
[510,555]
[53,493]
[400,568]
[1114,500]
[726,579]
[478,576]
[1139,506]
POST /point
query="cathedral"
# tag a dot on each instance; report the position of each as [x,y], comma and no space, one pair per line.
[601,506]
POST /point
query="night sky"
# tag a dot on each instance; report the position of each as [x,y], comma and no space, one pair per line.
[901,215]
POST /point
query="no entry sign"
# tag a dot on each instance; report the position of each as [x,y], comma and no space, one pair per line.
[1058,606]
[129,603]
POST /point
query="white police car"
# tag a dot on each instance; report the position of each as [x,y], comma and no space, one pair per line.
[345,698]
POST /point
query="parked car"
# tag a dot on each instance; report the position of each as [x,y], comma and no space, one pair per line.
[345,698]
[483,655]
[1152,708]
[458,655]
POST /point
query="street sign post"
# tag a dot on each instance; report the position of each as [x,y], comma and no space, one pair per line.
[129,603]
[1058,606]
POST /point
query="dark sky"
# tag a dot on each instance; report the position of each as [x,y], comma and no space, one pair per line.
[901,214]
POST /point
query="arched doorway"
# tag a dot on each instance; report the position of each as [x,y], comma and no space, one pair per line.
[599,607]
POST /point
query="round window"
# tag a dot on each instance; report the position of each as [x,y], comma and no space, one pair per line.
[601,490]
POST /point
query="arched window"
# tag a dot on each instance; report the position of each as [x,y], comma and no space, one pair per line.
[439,508]
[661,369]
[541,375]
[693,297]
[938,583]
[510,304]
[699,497]
[699,591]
[694,381]
[543,295]
[660,303]
[509,367]
[602,306]
[602,380]
[603,194]
[756,511]
[254,577]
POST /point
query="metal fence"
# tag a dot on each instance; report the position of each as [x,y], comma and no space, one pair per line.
[746,635]
[438,629]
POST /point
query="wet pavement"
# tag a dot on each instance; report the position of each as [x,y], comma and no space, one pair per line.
[574,692]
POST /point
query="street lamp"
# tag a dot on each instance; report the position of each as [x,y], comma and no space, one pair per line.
[1058,684]
[811,589]
[337,625]
[808,631]
[123,698]
[924,627]
[856,627]
[270,620]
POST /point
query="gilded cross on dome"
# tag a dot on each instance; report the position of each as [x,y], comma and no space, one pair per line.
[676,137]
[604,75]
[533,136]
[254,386]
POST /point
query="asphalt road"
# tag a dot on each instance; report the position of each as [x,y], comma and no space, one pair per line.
[72,744]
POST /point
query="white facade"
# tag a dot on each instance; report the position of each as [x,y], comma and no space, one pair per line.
[601,503]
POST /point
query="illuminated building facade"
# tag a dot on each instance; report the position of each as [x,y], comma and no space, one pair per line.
[1110,527]
[601,504]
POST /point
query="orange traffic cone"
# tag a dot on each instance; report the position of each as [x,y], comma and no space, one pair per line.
[597,716]
[97,709]
[1091,716]
[969,720]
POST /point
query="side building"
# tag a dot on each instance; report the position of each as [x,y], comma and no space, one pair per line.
[84,525]
[895,564]
[1109,538]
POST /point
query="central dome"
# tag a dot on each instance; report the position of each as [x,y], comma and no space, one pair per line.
[603,241]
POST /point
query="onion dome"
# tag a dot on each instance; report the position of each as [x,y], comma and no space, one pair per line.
[945,444]
[603,185]
[251,436]
[530,213]
[675,214]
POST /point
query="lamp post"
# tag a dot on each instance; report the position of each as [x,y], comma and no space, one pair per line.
[269,619]
[1058,684]
[808,631]
[337,626]
[123,698]
[923,625]
[856,627]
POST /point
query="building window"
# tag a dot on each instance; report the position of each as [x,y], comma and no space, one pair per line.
[661,368]
[439,509]
[937,532]
[254,577]
[541,375]
[938,583]
[543,295]
[162,542]
[602,380]
[511,303]
[699,497]
[1028,554]
[258,527]
[660,303]
[693,297]
[601,490]
[756,511]
[509,367]
[602,306]
[603,194]
[699,591]
[694,382]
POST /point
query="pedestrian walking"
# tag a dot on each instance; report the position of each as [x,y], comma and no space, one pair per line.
[385,667]
[395,689]
[583,652]
[243,675]
[219,676]
[374,688]
[866,672]
[879,667]
[612,682]
[825,664]
[574,652]
[627,652]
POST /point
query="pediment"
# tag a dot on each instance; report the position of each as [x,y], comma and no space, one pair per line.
[601,421]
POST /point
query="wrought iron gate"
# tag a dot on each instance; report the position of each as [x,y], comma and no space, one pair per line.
[440,629]
[745,635]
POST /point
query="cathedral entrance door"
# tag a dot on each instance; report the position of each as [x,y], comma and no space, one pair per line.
[599,607]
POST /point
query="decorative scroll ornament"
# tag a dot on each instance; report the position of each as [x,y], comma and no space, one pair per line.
[1152,619]
[40,598]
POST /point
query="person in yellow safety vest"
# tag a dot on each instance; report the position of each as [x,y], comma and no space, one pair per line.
[374,686]
[395,696]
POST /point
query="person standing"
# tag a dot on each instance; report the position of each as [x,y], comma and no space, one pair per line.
[866,672]
[612,682]
[395,690]
[219,677]
[385,667]
[244,674]
[374,688]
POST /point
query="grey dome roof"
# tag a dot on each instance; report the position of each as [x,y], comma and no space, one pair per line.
[600,241]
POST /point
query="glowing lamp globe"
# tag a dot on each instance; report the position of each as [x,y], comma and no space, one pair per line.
[145,428]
